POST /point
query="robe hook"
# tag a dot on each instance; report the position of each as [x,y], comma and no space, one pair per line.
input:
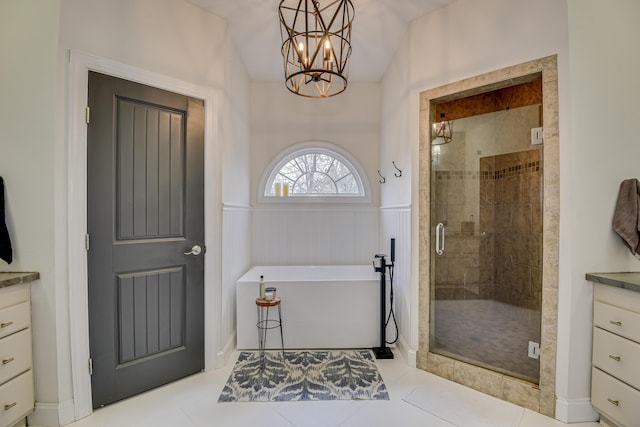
[383,180]
[397,175]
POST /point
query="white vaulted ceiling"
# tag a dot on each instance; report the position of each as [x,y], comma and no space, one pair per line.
[378,28]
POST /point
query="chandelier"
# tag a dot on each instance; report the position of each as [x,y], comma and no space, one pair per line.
[442,132]
[316,45]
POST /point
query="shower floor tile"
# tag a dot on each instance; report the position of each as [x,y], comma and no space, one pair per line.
[492,333]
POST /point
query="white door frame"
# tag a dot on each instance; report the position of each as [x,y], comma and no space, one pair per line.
[79,66]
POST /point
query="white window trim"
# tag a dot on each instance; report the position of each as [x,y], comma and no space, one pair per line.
[284,156]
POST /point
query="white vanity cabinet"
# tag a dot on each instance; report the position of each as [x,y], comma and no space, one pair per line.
[16,376]
[615,381]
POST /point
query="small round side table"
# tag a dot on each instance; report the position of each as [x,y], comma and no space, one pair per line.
[264,323]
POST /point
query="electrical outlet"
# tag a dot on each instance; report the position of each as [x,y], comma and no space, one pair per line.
[534,350]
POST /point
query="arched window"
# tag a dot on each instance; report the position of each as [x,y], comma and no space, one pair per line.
[314,172]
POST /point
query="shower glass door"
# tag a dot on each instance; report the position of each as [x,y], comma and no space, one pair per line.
[486,235]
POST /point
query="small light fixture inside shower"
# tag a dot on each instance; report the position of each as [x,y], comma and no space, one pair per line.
[316,45]
[441,132]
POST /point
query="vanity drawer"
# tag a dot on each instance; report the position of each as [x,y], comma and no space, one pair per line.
[615,399]
[617,356]
[13,295]
[15,354]
[617,320]
[16,399]
[14,318]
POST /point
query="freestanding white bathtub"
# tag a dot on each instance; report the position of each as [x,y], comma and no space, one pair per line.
[322,306]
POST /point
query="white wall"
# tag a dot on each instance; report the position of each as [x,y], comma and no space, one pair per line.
[314,234]
[280,119]
[395,222]
[602,151]
[236,240]
[398,129]
[469,38]
[166,37]
[462,40]
[304,235]
[29,145]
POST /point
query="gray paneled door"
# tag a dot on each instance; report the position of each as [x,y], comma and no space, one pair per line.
[145,211]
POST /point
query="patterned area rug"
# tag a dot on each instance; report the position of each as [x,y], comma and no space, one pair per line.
[304,375]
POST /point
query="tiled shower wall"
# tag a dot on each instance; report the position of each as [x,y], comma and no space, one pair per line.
[458,269]
[511,218]
[486,187]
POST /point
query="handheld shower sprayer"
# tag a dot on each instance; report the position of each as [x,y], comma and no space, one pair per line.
[393,250]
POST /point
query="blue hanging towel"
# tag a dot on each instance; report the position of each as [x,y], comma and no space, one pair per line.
[6,252]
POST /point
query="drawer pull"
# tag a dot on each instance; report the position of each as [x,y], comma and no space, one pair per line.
[10,405]
[613,402]
[5,324]
[9,360]
[615,322]
[616,358]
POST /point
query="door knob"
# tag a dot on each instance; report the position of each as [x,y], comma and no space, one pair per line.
[195,250]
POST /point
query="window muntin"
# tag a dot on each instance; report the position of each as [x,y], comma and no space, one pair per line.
[314,172]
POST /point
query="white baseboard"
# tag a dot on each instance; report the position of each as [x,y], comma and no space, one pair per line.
[408,353]
[52,414]
[575,410]
[227,351]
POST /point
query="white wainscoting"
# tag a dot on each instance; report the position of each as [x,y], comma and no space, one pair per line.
[236,260]
[296,235]
[395,222]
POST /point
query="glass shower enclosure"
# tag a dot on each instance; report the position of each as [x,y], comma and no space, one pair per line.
[486,237]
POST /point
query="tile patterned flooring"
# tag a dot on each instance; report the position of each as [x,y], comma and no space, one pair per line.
[417,398]
[490,332]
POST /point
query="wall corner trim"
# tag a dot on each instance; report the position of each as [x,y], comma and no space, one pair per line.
[408,353]
[52,414]
[575,410]
[227,351]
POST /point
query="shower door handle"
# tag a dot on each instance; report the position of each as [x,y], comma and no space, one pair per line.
[440,239]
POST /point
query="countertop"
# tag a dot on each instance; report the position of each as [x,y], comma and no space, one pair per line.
[17,278]
[630,280]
